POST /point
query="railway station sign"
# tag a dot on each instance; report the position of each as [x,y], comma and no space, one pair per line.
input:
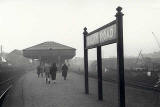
[103,36]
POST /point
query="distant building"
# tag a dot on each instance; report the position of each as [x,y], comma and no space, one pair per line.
[16,58]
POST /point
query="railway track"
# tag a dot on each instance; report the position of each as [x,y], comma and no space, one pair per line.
[133,84]
[5,86]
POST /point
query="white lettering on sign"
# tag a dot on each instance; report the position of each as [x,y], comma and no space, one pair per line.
[108,34]
[92,40]
[102,36]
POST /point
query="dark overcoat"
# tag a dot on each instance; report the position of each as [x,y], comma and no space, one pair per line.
[53,71]
[38,70]
[64,70]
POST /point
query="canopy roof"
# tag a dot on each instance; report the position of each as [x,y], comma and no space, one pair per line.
[49,51]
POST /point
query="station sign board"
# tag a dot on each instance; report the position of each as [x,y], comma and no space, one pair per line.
[102,36]
[105,35]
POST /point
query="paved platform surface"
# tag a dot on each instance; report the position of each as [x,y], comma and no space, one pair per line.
[31,91]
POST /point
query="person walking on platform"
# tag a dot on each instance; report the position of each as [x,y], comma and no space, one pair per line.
[47,73]
[53,70]
[38,70]
[64,71]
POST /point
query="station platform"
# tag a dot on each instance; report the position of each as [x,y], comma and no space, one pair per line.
[31,91]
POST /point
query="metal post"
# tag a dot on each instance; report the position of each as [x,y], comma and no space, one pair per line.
[86,61]
[59,63]
[120,57]
[99,71]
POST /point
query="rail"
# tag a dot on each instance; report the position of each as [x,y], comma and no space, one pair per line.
[5,86]
[133,84]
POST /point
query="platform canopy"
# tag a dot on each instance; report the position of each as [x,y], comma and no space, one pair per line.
[50,52]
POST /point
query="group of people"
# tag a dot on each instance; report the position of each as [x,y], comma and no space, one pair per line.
[50,72]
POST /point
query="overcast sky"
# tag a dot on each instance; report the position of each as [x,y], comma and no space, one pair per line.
[24,23]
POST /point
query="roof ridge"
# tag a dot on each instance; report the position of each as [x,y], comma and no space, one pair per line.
[49,44]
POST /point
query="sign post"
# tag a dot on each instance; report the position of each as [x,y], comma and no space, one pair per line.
[86,61]
[105,35]
[99,71]
[120,57]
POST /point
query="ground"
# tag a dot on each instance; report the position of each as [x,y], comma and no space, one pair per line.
[31,91]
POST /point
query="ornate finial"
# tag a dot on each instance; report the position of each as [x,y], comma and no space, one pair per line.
[119,13]
[119,9]
[85,31]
